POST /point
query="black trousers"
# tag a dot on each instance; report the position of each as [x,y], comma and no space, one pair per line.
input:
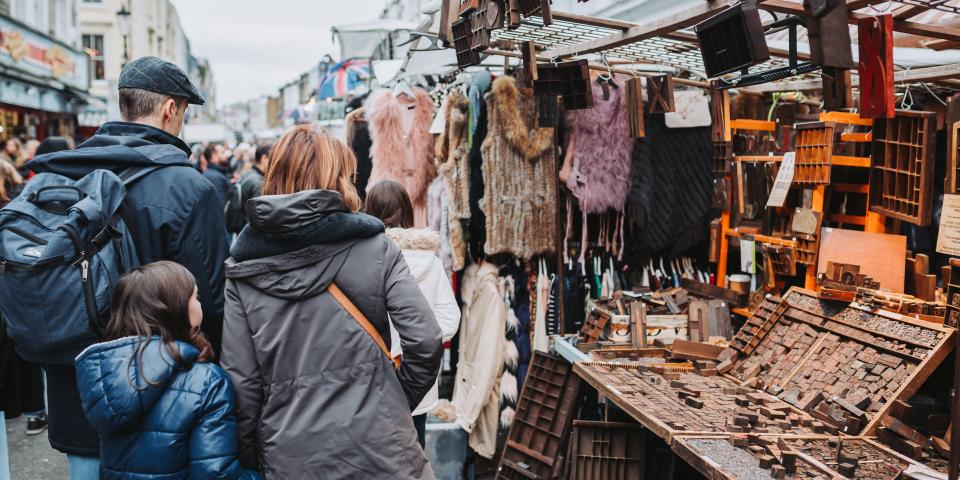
[420,421]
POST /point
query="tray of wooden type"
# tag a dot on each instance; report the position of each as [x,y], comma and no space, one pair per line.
[760,457]
[843,364]
[671,401]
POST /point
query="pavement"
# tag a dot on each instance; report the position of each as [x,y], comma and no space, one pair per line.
[31,457]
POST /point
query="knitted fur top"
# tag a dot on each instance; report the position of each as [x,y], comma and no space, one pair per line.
[600,178]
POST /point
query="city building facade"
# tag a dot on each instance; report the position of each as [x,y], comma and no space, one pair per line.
[116,31]
[45,77]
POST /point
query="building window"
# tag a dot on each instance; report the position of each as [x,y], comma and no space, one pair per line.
[93,44]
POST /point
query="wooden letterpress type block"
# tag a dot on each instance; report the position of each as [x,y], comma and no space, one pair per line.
[766,461]
[660,94]
[848,470]
[877,98]
[739,440]
[810,400]
[693,402]
[778,472]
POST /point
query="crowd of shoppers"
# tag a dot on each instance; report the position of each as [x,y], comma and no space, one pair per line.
[309,308]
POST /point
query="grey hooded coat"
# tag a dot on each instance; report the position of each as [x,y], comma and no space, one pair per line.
[316,398]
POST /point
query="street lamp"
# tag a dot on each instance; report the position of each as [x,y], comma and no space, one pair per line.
[123,22]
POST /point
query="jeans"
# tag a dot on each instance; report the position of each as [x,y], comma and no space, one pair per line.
[83,468]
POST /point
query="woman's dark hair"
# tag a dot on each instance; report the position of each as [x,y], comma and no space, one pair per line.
[154,300]
[389,201]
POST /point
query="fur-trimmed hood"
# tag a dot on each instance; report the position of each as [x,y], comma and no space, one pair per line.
[414,239]
[406,157]
[506,119]
[419,249]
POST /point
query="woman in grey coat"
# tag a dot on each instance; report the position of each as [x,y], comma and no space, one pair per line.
[316,397]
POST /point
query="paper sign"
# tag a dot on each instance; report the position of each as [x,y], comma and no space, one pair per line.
[948,240]
[747,256]
[781,187]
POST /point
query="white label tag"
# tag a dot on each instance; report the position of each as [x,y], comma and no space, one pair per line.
[781,187]
[35,252]
[948,238]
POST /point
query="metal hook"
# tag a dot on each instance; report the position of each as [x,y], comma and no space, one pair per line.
[609,77]
[885,9]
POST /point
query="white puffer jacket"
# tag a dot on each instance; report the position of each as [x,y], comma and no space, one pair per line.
[420,249]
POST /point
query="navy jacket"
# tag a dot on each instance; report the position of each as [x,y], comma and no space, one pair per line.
[176,215]
[177,424]
[217,175]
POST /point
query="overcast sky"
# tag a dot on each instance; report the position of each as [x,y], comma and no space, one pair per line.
[256,46]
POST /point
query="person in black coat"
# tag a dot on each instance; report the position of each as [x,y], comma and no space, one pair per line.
[173,216]
[216,171]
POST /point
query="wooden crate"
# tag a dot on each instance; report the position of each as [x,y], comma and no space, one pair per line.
[952,289]
[606,451]
[732,40]
[902,165]
[541,427]
[814,151]
[570,80]
[722,157]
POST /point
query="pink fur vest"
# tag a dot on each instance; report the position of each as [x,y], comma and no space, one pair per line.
[402,147]
[602,149]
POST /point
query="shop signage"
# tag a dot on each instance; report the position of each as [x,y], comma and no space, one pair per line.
[36,54]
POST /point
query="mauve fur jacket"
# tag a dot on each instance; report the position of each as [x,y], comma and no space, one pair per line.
[519,170]
[602,148]
[406,157]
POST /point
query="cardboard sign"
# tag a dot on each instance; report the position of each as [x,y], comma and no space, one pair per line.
[948,240]
[781,187]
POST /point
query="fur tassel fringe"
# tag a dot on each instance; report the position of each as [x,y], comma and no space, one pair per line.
[511,356]
[506,417]
[512,322]
[508,388]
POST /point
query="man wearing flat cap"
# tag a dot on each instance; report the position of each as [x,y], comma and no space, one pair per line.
[171,210]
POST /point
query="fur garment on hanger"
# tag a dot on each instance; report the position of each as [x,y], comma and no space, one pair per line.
[599,173]
[406,157]
[519,171]
[453,158]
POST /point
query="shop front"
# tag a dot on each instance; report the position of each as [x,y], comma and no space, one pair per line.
[43,83]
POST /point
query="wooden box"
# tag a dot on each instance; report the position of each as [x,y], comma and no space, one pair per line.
[814,151]
[902,163]
[732,40]
[570,80]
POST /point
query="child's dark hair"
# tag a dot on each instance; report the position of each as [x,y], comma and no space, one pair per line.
[154,300]
[389,201]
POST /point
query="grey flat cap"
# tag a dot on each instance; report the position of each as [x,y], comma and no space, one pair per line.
[160,76]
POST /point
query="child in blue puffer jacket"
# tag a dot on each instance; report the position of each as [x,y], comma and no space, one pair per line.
[161,408]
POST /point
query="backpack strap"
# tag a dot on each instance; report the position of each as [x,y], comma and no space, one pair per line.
[361,319]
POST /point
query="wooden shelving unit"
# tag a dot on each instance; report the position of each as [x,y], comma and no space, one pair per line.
[901,180]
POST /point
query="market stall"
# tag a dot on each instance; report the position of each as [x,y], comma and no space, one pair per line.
[699,245]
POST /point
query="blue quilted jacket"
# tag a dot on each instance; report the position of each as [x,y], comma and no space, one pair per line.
[178,425]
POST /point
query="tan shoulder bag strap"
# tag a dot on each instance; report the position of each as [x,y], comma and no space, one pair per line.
[357,315]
